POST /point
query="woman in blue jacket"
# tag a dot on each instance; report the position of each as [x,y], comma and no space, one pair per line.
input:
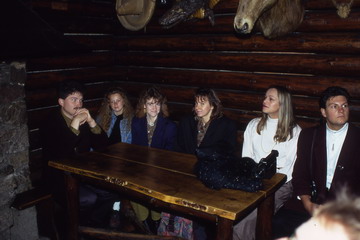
[152,128]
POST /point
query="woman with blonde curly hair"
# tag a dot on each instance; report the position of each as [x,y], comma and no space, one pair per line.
[115,116]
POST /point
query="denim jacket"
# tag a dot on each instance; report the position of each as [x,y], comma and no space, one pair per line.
[125,135]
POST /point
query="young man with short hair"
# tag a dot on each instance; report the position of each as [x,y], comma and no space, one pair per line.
[327,156]
[72,129]
[68,132]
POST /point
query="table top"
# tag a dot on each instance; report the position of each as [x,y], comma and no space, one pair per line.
[164,175]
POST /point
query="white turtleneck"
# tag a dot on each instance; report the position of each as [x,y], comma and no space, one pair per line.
[334,143]
[258,146]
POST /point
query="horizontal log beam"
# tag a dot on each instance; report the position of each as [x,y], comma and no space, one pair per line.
[97,42]
[298,85]
[50,79]
[255,62]
[71,61]
[338,43]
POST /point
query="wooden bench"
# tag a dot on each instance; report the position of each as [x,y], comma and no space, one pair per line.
[41,198]
[109,235]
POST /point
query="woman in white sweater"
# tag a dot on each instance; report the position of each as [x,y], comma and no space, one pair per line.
[274,130]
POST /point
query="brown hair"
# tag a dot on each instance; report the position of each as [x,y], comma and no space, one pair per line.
[153,92]
[105,111]
[214,101]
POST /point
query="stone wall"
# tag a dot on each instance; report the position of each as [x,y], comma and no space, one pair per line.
[14,159]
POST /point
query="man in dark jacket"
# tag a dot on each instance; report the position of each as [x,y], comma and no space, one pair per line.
[71,130]
[327,161]
[68,132]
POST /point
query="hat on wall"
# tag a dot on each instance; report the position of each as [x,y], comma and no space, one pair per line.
[134,14]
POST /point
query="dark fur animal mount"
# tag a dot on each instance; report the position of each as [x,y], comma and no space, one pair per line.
[184,10]
[273,18]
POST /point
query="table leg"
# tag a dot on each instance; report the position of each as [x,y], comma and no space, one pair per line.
[72,197]
[264,218]
[224,229]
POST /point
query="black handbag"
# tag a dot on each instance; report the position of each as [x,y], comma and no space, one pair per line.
[218,171]
[266,168]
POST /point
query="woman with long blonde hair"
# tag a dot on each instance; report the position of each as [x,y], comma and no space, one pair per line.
[274,130]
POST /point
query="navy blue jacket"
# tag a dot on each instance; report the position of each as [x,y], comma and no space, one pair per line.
[164,136]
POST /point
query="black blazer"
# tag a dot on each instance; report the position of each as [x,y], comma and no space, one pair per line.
[59,141]
[347,169]
[220,136]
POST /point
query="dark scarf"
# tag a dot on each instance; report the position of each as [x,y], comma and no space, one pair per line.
[115,136]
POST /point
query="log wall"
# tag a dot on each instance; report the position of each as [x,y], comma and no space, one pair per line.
[324,51]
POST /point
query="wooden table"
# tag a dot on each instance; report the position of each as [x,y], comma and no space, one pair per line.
[165,179]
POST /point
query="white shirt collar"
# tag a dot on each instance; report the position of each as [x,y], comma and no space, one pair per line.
[341,130]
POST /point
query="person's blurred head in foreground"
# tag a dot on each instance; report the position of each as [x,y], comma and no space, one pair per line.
[336,220]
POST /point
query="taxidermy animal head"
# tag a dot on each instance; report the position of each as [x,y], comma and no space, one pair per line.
[184,10]
[273,18]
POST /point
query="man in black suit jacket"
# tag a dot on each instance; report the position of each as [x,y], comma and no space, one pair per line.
[327,155]
[67,132]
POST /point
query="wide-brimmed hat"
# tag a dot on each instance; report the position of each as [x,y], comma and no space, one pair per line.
[134,14]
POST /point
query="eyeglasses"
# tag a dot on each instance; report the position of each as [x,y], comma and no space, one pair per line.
[151,104]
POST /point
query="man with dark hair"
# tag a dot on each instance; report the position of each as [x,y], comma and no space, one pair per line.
[68,132]
[327,160]
[71,130]
[333,92]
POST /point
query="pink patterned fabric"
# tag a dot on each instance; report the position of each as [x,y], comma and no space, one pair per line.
[171,225]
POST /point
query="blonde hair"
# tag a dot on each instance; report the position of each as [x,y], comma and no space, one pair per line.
[105,110]
[344,210]
[286,121]
[153,92]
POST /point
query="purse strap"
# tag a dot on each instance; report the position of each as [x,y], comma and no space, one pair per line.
[312,184]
